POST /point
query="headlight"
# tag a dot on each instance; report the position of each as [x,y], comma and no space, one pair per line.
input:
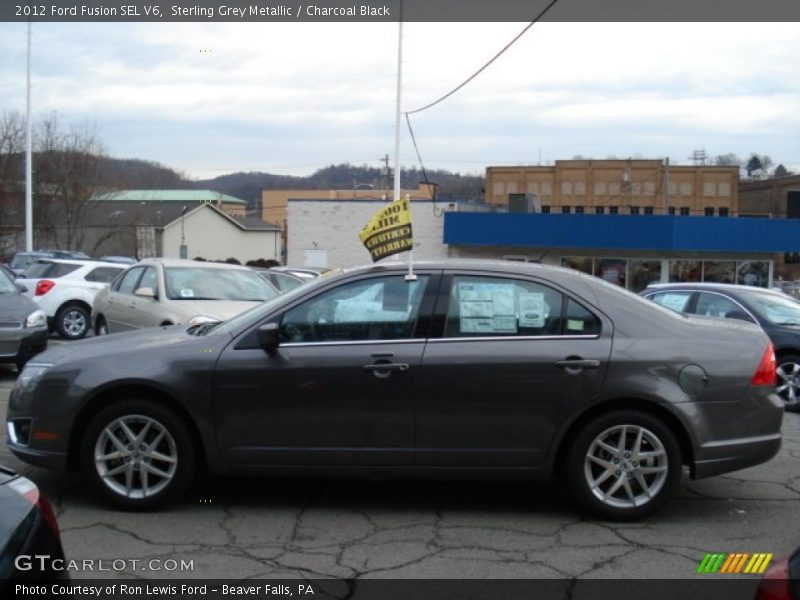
[30,376]
[202,319]
[36,319]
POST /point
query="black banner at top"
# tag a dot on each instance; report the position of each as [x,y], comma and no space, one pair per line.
[394,10]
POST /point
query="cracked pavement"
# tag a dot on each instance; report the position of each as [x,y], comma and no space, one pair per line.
[243,528]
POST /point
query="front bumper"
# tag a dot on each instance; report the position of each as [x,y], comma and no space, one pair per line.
[20,345]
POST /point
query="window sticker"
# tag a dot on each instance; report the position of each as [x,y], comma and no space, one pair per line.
[676,302]
[575,325]
[487,308]
[533,310]
[187,293]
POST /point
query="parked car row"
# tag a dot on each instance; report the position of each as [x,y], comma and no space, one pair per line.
[470,368]
[777,314]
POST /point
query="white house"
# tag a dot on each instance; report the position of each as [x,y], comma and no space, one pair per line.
[213,234]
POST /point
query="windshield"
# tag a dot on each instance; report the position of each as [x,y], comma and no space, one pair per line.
[198,283]
[7,285]
[774,308]
[249,318]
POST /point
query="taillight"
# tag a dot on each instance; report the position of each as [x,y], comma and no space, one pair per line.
[44,286]
[776,584]
[25,487]
[765,373]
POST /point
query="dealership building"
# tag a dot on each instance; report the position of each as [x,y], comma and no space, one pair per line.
[629,222]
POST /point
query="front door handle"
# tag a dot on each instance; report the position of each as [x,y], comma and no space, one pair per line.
[574,366]
[387,367]
[384,370]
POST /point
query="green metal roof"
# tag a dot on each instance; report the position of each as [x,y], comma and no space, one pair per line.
[170,196]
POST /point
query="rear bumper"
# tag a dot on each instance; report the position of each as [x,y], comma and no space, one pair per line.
[716,458]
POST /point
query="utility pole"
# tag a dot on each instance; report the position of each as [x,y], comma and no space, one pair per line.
[387,172]
[28,158]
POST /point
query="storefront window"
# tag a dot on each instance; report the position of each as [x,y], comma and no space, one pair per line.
[643,273]
[613,270]
[685,270]
[719,271]
[752,272]
[579,263]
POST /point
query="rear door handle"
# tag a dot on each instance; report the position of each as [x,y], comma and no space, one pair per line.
[573,366]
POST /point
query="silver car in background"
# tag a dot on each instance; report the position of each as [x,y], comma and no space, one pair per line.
[161,291]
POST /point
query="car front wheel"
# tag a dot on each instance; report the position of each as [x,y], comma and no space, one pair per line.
[101,327]
[623,465]
[788,387]
[138,454]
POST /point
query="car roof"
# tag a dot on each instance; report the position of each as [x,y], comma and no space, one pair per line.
[80,262]
[185,262]
[719,287]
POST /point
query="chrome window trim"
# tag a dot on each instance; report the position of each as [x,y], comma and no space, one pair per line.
[509,338]
[352,343]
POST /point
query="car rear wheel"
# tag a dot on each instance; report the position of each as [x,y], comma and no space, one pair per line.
[72,321]
[101,327]
[623,465]
[788,388]
[138,454]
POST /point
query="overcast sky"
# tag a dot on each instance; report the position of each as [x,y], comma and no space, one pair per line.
[213,98]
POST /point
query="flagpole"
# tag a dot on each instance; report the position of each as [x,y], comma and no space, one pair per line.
[397,190]
[28,157]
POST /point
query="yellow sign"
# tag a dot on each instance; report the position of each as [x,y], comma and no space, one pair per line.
[389,230]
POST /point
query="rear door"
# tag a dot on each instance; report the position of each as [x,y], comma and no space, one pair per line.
[511,360]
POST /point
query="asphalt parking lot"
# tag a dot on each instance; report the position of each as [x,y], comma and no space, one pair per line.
[269,528]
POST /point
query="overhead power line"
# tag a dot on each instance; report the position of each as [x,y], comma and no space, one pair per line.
[491,60]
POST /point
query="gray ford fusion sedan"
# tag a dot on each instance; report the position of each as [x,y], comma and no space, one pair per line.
[469,368]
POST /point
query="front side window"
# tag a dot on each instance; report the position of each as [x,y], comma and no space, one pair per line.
[491,307]
[149,280]
[714,305]
[127,284]
[384,308]
[677,301]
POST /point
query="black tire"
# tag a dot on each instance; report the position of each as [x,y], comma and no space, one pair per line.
[612,486]
[788,387]
[72,321]
[20,363]
[112,477]
[100,327]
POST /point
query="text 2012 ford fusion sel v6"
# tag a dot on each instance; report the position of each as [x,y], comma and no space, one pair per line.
[470,368]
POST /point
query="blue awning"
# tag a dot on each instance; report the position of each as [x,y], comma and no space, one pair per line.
[623,232]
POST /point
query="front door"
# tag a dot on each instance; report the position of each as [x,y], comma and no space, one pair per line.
[339,389]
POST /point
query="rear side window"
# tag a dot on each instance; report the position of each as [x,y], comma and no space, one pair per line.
[493,306]
[49,270]
[580,321]
[677,301]
[102,274]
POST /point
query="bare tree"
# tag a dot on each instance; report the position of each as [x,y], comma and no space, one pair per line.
[12,145]
[68,165]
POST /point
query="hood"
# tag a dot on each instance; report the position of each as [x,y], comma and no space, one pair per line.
[217,309]
[116,344]
[16,307]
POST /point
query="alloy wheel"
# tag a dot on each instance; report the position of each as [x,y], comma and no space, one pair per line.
[73,323]
[789,382]
[626,466]
[136,456]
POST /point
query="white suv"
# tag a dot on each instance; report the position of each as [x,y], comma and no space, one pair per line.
[65,291]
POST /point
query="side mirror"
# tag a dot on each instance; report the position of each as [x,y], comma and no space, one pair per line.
[146,292]
[267,336]
[22,288]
